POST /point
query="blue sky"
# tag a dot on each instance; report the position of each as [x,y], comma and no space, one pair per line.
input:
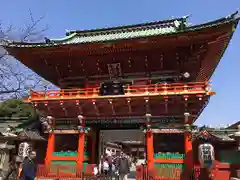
[76,14]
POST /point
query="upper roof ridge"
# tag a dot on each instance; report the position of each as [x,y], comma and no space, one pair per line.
[127,27]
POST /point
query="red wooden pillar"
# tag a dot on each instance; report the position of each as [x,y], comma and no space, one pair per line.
[188,149]
[150,152]
[50,148]
[81,140]
[93,147]
[51,140]
[80,159]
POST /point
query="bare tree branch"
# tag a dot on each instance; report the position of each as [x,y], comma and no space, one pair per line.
[31,32]
[15,79]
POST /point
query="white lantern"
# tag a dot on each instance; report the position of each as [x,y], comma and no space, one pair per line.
[24,149]
[206,155]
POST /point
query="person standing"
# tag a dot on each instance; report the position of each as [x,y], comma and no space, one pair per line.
[13,168]
[110,162]
[123,167]
[29,167]
[105,167]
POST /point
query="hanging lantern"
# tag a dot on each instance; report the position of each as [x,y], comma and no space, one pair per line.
[24,149]
[206,155]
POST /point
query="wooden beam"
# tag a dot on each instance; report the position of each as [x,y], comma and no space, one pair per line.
[129,106]
[112,107]
[169,161]
[166,104]
[66,132]
[147,106]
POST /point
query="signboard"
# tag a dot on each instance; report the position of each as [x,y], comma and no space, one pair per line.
[66,131]
[168,131]
[67,124]
[154,121]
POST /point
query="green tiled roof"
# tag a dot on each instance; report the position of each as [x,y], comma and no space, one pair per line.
[159,28]
[121,35]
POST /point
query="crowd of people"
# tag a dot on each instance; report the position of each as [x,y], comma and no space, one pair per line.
[22,169]
[117,167]
[114,166]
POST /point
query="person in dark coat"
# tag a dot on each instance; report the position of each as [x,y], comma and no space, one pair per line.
[123,167]
[109,159]
[13,168]
[29,167]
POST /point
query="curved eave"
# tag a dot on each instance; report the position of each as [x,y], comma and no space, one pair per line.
[208,69]
[108,36]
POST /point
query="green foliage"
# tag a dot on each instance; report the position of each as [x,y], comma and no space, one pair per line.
[16,108]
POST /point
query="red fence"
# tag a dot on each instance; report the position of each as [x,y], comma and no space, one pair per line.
[182,174]
[63,172]
[159,173]
[74,173]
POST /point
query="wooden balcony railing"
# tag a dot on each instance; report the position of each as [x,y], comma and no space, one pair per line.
[129,91]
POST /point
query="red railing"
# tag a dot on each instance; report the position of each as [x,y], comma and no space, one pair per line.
[72,173]
[158,173]
[62,171]
[176,174]
[134,90]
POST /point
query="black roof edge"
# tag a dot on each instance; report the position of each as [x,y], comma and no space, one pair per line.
[126,26]
[230,18]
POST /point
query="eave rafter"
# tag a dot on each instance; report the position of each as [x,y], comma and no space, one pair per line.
[64,108]
[79,107]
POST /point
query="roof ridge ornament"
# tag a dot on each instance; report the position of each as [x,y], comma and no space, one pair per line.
[234,15]
[186,16]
